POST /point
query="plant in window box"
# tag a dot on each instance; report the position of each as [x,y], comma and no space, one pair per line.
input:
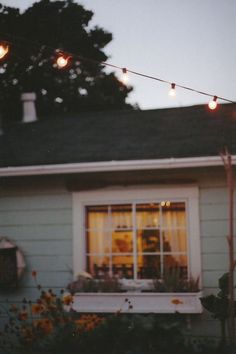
[173,281]
[87,284]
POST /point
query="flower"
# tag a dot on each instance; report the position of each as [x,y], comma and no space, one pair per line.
[87,323]
[23,315]
[34,274]
[176,302]
[37,309]
[45,325]
[67,299]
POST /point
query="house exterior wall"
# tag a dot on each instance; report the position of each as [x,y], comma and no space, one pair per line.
[38,218]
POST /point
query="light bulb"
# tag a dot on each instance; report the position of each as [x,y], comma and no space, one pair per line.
[3,50]
[172,92]
[125,78]
[213,103]
[62,61]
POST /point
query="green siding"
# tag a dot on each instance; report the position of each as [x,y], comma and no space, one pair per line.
[41,226]
[40,223]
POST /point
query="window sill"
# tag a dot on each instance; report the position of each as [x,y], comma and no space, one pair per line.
[135,302]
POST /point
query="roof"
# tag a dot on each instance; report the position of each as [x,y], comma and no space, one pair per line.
[121,135]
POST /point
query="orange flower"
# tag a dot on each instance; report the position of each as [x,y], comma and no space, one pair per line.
[48,297]
[37,309]
[88,322]
[14,308]
[27,333]
[34,274]
[176,302]
[67,299]
[45,325]
[23,315]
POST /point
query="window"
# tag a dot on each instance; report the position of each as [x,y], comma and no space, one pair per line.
[137,234]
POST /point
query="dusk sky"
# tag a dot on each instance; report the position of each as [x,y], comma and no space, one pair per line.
[190,42]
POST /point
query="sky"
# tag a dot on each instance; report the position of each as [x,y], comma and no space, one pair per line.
[189,42]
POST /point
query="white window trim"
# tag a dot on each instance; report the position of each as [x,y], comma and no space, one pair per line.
[129,194]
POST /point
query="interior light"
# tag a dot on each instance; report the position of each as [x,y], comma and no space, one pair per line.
[125,78]
[62,61]
[3,50]
[213,103]
[172,92]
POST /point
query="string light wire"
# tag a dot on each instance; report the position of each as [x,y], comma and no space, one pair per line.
[127,70]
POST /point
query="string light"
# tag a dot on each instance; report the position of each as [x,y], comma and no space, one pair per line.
[4,49]
[125,78]
[172,92]
[64,60]
[213,103]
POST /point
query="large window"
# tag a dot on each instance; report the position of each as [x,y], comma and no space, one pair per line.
[137,234]
[136,241]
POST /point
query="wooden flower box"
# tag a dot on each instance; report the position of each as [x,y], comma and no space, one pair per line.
[137,302]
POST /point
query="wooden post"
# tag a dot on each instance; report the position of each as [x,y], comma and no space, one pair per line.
[227,160]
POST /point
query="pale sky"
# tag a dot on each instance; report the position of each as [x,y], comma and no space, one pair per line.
[190,42]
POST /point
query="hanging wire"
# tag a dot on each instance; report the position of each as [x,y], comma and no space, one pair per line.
[107,64]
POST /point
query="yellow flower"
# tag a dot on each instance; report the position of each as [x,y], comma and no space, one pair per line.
[176,302]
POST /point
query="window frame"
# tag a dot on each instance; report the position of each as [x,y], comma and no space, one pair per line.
[138,194]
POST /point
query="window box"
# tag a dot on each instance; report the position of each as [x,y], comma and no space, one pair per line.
[136,302]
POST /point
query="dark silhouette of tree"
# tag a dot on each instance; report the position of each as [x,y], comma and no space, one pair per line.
[30,64]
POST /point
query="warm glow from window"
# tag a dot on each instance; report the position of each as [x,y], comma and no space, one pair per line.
[136,241]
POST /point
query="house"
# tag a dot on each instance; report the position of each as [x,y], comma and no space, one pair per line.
[122,193]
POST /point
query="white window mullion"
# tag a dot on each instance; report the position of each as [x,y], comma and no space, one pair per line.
[135,259]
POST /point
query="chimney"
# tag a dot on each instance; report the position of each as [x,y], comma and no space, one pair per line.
[29,111]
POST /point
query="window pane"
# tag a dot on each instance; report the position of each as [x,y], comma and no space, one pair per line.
[122,241]
[176,263]
[173,214]
[123,266]
[121,216]
[98,266]
[97,217]
[147,215]
[149,266]
[98,242]
[148,241]
[174,241]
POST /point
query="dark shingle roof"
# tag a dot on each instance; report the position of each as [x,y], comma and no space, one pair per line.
[122,135]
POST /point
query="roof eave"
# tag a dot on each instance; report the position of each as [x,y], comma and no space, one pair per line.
[109,166]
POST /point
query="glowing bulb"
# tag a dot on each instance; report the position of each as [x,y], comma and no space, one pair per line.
[213,103]
[3,50]
[62,61]
[125,78]
[172,92]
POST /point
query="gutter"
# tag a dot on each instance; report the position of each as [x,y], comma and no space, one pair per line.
[109,166]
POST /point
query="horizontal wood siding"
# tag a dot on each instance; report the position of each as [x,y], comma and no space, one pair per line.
[214,231]
[39,221]
[41,226]
[214,248]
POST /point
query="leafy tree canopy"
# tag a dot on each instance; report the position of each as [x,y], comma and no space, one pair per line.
[34,35]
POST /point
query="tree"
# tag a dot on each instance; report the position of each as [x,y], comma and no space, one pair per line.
[30,64]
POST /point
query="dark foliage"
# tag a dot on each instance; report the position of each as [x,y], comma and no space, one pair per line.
[34,35]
